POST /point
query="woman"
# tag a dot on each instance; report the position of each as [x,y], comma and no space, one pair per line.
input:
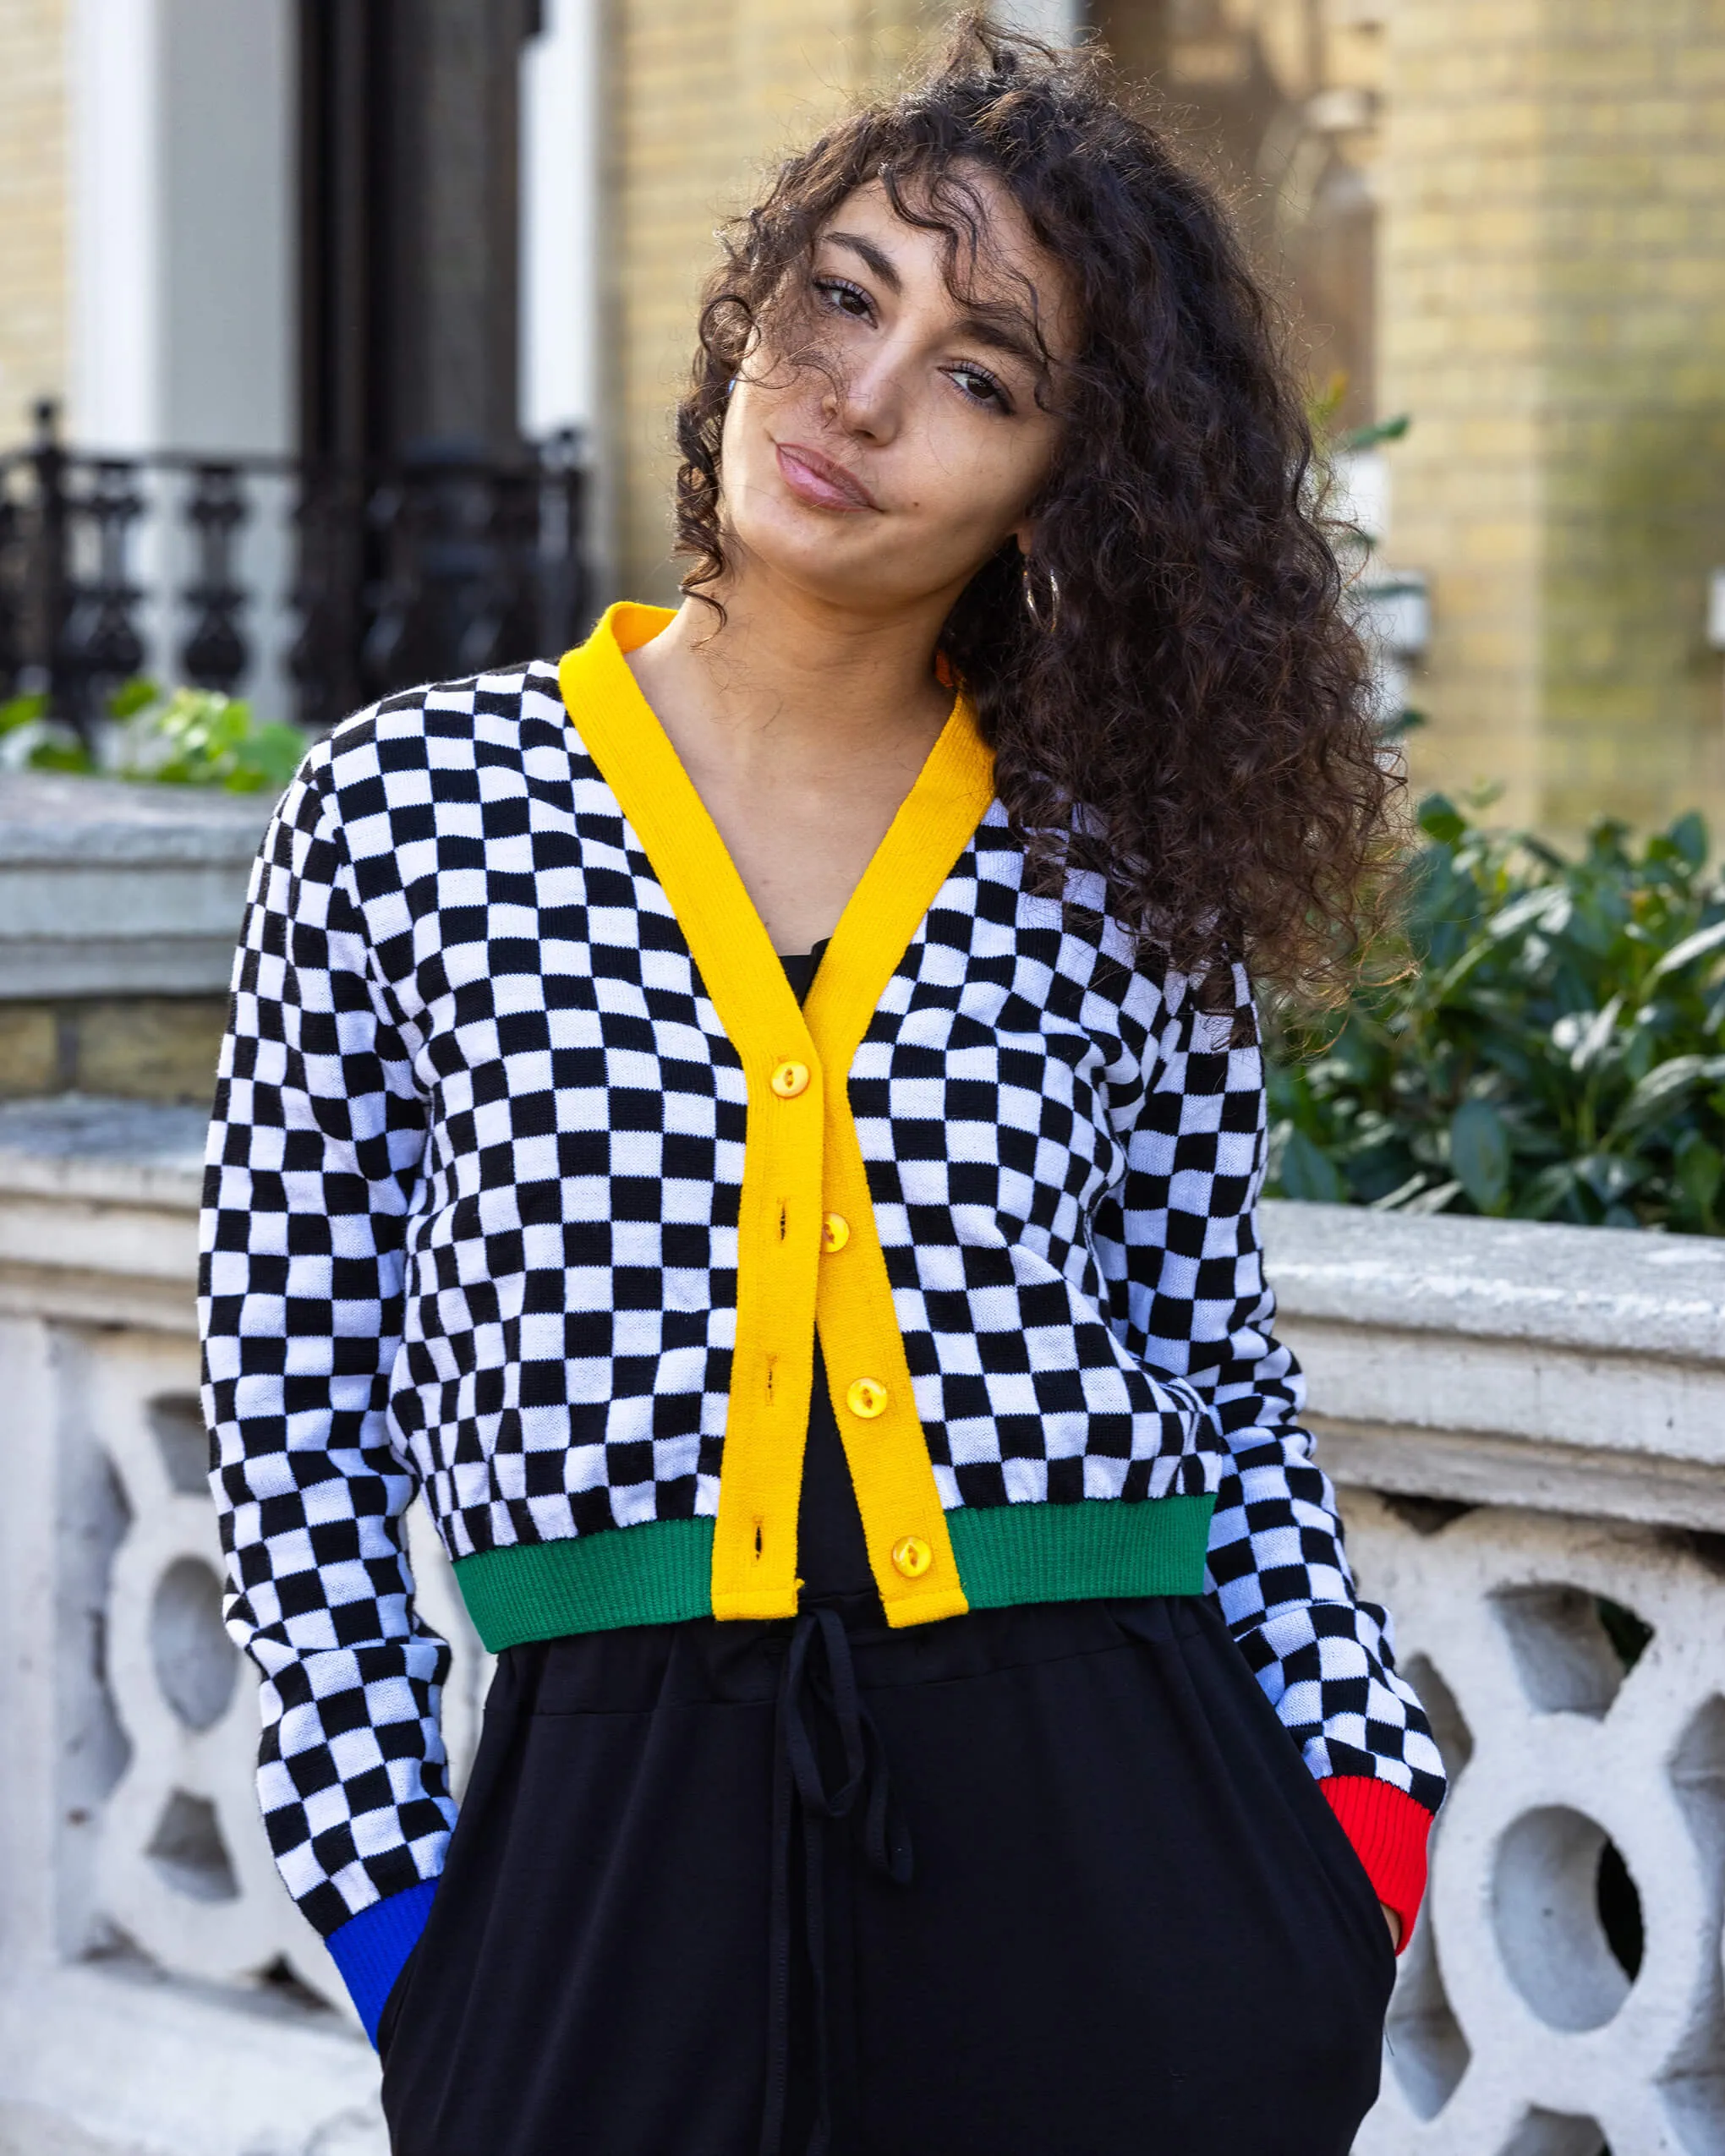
[760,1125]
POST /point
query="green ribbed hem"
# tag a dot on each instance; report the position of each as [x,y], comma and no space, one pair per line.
[1095,1549]
[661,1572]
[657,1574]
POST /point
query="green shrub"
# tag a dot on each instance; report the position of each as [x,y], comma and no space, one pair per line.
[182,737]
[1556,1051]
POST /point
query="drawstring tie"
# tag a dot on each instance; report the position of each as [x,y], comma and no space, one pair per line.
[865,1797]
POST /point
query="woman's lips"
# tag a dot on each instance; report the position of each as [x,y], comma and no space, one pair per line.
[816,480]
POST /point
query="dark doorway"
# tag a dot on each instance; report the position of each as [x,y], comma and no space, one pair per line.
[432,541]
[409,223]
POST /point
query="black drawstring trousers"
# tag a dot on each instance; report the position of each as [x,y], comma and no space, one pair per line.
[1049,1882]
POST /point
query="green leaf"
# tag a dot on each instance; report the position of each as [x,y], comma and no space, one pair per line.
[1547,1190]
[1309,1175]
[133,697]
[22,711]
[1609,1176]
[1699,1170]
[274,752]
[1436,1200]
[1479,1153]
[1439,818]
[62,752]
[1664,1090]
[1595,1036]
[1685,953]
[1408,721]
[1377,431]
[1689,834]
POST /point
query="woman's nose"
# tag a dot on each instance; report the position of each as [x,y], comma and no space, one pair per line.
[865,400]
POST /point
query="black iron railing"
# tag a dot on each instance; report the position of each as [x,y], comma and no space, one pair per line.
[346,581]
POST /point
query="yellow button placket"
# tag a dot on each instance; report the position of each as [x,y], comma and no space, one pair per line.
[808,1239]
[754,1555]
[872,1402]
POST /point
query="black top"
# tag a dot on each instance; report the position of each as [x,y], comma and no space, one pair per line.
[832,1554]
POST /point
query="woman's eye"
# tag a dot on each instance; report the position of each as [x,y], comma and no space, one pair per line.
[981,387]
[847,298]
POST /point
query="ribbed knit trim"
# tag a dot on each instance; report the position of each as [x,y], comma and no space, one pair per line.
[371,1950]
[1101,1546]
[657,1574]
[660,1573]
[1388,1830]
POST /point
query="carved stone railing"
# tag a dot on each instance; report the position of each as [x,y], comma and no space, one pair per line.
[1538,1414]
[143,1921]
[1529,1422]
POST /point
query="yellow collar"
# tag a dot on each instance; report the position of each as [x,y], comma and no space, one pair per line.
[934,822]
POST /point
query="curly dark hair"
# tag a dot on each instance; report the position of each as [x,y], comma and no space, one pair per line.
[1192,722]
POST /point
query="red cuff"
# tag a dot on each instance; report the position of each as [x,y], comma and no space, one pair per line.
[1388,1829]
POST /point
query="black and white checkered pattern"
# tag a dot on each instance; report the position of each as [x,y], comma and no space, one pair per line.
[1177,1240]
[471,1226]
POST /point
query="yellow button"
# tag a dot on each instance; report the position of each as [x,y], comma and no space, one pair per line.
[790,1080]
[867,1397]
[835,1232]
[912,1555]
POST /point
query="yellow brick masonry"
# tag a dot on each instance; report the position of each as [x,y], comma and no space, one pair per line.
[130,1047]
[1551,176]
[701,101]
[1552,293]
[33,153]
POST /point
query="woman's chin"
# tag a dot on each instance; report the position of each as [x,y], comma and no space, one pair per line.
[853,578]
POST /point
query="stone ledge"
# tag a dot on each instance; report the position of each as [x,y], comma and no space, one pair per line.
[113,1151]
[111,888]
[48,820]
[1594,1288]
[185,2070]
[98,1211]
[1476,1467]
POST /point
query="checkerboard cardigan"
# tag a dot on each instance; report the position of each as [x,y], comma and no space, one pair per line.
[523,1187]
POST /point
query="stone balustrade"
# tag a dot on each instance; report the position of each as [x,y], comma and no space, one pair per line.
[108,888]
[1527,1419]
[1530,1424]
[119,905]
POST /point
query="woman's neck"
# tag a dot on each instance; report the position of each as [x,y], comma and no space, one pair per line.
[802,729]
[794,680]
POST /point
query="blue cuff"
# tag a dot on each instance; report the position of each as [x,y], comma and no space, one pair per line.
[370,1949]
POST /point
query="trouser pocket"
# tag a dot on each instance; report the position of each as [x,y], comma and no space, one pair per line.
[1116,1863]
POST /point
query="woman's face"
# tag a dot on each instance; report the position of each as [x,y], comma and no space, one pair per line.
[884,478]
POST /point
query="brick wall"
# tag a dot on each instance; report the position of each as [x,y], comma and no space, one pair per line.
[126,1047]
[33,153]
[1553,316]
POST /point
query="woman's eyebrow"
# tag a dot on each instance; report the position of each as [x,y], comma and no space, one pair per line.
[999,335]
[871,255]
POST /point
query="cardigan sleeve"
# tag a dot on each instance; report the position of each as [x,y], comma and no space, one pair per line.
[315,1151]
[1182,1254]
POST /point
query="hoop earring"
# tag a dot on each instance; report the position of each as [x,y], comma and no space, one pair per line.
[1053,622]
